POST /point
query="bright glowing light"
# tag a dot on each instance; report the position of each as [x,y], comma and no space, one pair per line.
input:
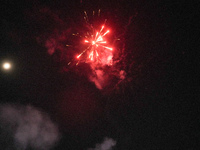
[97,45]
[95,49]
[6,66]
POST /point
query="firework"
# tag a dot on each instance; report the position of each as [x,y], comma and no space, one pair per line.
[97,46]
[91,45]
[97,49]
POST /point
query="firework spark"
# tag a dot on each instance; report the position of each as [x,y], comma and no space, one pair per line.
[97,49]
[97,46]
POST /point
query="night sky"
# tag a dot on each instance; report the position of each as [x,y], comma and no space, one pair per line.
[154,107]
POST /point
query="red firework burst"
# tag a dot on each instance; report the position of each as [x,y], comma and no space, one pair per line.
[98,50]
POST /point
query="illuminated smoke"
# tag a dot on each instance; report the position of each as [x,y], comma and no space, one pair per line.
[24,127]
[98,79]
[51,46]
[102,78]
[107,144]
[122,74]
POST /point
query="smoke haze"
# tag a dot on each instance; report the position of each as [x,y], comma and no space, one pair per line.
[24,127]
[107,144]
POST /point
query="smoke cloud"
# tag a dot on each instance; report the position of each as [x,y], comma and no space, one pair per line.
[102,78]
[24,127]
[99,79]
[107,144]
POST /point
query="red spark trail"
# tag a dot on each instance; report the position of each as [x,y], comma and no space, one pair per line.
[97,47]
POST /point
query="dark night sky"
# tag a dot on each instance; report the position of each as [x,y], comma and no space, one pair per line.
[156,109]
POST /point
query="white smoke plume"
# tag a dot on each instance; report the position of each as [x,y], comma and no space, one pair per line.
[107,144]
[25,127]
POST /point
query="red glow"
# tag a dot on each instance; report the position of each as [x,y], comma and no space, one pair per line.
[79,55]
[97,48]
